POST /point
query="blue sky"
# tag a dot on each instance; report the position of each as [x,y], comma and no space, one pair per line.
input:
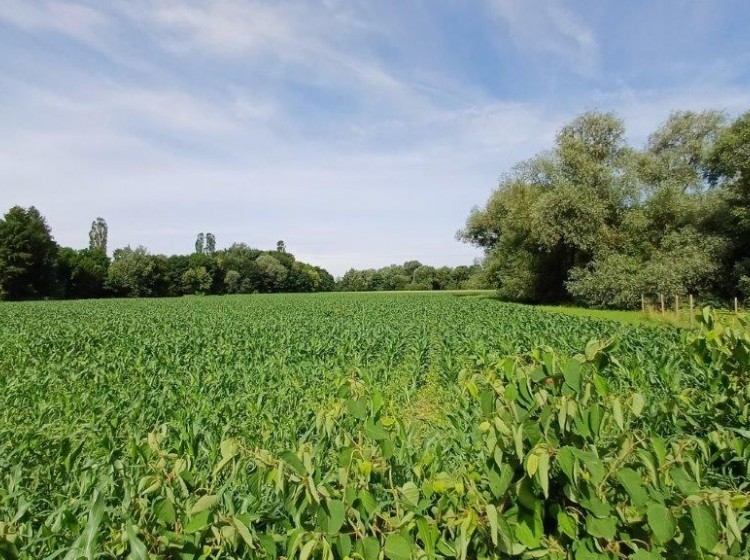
[360,132]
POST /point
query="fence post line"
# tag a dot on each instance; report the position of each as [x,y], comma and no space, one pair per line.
[677,305]
[643,303]
[661,300]
[692,312]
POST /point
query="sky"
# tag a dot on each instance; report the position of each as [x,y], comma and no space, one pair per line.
[359,132]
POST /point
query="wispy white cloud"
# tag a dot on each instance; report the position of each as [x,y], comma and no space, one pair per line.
[78,21]
[294,120]
[550,28]
[323,45]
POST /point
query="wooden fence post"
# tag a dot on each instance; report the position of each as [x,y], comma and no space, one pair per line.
[643,303]
[661,300]
[692,312]
[677,305]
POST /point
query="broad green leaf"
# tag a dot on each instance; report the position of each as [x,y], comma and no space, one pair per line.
[599,508]
[410,492]
[138,550]
[358,409]
[243,531]
[368,501]
[506,534]
[344,546]
[617,413]
[567,524]
[584,554]
[592,349]
[525,533]
[601,528]
[526,496]
[197,522]
[492,520]
[732,523]
[293,461]
[164,511]
[633,485]
[572,375]
[268,544]
[397,547]
[375,430]
[442,483]
[684,482]
[659,448]
[705,526]
[637,404]
[661,521]
[204,503]
[336,515]
[565,459]
[370,548]
[229,448]
[532,463]
[428,534]
[499,483]
[307,550]
[543,472]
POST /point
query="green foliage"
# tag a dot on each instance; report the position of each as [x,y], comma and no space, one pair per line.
[615,280]
[27,255]
[196,281]
[602,223]
[729,161]
[272,273]
[232,282]
[412,275]
[686,263]
[678,152]
[32,266]
[81,274]
[136,273]
[98,235]
[259,427]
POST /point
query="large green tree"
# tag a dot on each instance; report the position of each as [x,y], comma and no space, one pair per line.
[137,273]
[728,169]
[98,235]
[27,255]
[196,281]
[81,274]
[601,222]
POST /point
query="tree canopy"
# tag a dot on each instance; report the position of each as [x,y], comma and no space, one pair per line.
[597,221]
[32,266]
[412,275]
[27,255]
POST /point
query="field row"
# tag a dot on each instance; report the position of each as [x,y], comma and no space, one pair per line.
[298,425]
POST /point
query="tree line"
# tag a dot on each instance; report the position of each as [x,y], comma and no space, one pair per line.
[34,266]
[412,275]
[598,222]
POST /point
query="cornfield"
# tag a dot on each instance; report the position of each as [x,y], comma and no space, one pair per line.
[367,426]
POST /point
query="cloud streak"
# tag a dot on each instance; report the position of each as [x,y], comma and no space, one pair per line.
[547,27]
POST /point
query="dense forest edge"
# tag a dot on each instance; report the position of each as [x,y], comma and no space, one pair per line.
[592,221]
[599,223]
[34,266]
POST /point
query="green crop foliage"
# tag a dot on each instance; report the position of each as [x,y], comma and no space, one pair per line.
[368,426]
